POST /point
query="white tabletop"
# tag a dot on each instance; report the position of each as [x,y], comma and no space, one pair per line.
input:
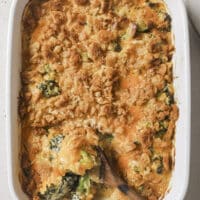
[194,185]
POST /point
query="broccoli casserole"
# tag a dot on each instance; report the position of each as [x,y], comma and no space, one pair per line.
[96,73]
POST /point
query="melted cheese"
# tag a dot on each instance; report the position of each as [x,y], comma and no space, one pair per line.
[97,73]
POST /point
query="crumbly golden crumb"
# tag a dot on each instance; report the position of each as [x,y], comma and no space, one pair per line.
[96,73]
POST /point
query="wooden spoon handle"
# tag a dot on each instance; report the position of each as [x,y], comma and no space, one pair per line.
[110,178]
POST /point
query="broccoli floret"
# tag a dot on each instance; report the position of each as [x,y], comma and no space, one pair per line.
[83,189]
[158,163]
[50,193]
[84,184]
[166,94]
[68,184]
[47,69]
[166,27]
[71,180]
[87,160]
[55,142]
[142,27]
[163,126]
[49,88]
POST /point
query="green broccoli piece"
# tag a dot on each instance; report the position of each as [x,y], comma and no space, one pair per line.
[84,185]
[68,184]
[87,159]
[163,126]
[142,27]
[158,160]
[55,142]
[49,88]
[169,97]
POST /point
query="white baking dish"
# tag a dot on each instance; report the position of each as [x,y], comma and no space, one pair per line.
[180,177]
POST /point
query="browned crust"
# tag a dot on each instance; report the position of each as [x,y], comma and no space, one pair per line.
[109,64]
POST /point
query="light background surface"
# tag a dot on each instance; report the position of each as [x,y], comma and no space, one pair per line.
[194,184]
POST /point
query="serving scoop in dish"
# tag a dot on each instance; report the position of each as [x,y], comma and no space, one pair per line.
[109,177]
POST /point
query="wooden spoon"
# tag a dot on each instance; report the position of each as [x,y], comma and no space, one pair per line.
[110,178]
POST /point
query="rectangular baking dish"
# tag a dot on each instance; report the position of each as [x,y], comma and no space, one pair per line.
[179,181]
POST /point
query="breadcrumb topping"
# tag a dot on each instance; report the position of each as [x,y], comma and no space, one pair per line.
[96,73]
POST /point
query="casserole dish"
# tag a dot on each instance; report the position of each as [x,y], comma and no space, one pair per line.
[182,99]
[193,8]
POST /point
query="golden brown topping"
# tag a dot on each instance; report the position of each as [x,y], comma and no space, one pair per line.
[74,58]
[96,73]
[81,2]
[105,36]
[95,51]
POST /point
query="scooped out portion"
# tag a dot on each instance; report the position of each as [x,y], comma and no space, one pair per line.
[96,73]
